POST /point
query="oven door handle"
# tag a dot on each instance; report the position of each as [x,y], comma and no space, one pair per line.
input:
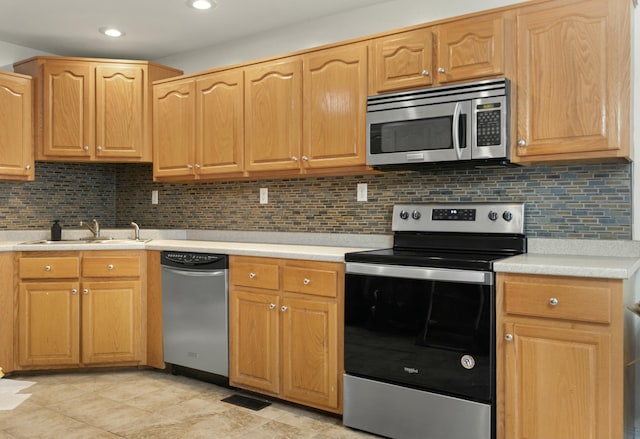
[426,273]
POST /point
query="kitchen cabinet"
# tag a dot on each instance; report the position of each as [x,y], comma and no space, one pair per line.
[93,109]
[573,86]
[199,127]
[7,300]
[79,309]
[285,329]
[459,50]
[16,127]
[560,357]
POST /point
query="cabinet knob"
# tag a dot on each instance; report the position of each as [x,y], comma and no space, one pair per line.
[252,275]
[85,291]
[305,158]
[99,148]
[553,301]
[425,73]
[110,267]
[522,143]
[306,281]
[85,147]
[441,70]
[74,291]
[272,306]
[197,166]
[47,268]
[283,308]
[294,159]
[508,337]
[28,167]
[189,166]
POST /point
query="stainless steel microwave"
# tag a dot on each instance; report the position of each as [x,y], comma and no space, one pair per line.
[457,123]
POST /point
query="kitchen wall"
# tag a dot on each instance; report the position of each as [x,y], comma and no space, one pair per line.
[592,202]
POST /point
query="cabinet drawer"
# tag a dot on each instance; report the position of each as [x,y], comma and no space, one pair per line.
[588,301]
[311,281]
[111,266]
[49,268]
[254,274]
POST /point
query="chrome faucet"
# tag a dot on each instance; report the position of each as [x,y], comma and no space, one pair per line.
[136,230]
[95,229]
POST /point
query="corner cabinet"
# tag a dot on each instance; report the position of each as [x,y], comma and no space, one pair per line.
[460,50]
[286,329]
[16,127]
[93,109]
[97,300]
[560,357]
[573,81]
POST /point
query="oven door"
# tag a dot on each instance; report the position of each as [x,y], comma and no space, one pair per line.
[425,328]
[418,134]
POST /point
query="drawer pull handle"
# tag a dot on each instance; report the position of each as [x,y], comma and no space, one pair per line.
[47,268]
[283,308]
[508,337]
[306,281]
[110,267]
[272,306]
[252,275]
[74,291]
[553,301]
[85,291]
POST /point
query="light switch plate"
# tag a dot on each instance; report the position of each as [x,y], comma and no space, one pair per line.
[264,195]
[154,197]
[362,192]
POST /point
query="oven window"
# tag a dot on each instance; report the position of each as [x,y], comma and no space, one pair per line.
[416,135]
[417,333]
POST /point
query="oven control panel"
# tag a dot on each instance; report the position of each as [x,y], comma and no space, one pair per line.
[460,217]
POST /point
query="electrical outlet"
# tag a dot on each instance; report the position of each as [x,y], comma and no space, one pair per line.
[154,197]
[264,195]
[362,192]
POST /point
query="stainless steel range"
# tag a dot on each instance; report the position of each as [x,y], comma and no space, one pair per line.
[419,343]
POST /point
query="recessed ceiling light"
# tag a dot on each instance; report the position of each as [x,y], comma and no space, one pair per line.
[111,32]
[200,4]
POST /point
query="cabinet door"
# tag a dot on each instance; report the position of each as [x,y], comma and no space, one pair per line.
[273,115]
[573,87]
[309,351]
[16,129]
[174,127]
[402,61]
[220,126]
[254,346]
[335,105]
[111,322]
[49,324]
[557,383]
[68,117]
[120,127]
[471,48]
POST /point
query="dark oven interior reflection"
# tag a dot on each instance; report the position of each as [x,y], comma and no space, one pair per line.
[421,333]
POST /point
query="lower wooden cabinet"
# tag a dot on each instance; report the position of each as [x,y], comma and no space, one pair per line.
[285,327]
[560,357]
[79,309]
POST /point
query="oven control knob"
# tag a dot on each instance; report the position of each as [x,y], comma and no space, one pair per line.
[507,216]
[416,215]
[404,214]
[468,362]
[493,215]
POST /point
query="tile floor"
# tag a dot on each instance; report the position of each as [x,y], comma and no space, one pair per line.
[146,404]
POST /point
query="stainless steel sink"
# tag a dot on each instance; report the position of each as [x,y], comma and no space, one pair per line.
[83,241]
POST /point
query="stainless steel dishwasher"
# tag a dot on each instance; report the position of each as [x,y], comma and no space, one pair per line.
[195,310]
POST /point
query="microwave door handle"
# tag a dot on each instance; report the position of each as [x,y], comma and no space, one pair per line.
[455,130]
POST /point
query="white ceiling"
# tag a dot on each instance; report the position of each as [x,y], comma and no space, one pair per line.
[153,28]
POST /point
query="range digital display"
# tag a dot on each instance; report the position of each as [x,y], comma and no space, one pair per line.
[453,215]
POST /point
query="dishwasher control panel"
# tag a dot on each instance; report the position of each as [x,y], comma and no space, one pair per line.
[194,260]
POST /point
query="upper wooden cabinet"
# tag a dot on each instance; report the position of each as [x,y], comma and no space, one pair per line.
[573,86]
[16,127]
[92,109]
[460,50]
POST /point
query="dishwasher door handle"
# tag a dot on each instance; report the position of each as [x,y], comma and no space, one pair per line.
[194,273]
